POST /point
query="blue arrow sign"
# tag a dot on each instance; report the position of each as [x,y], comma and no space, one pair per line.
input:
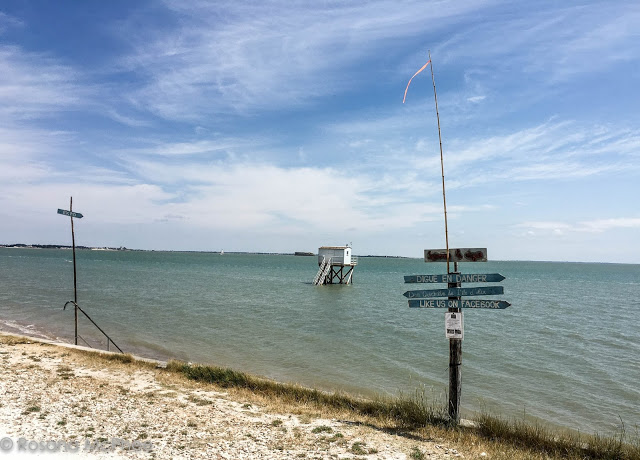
[444,303]
[69,213]
[455,278]
[454,292]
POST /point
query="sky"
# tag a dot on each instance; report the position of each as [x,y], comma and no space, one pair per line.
[278,126]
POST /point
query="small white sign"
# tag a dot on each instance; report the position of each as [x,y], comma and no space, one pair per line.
[453,325]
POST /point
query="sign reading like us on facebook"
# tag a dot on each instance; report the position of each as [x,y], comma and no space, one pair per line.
[455,303]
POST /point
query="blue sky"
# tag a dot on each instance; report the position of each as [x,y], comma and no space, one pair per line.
[279,126]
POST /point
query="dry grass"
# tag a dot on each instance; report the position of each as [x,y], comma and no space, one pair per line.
[413,417]
[405,413]
[540,439]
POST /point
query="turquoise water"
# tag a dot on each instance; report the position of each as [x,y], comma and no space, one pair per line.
[566,352]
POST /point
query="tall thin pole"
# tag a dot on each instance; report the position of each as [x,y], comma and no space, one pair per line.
[75,284]
[455,345]
[444,196]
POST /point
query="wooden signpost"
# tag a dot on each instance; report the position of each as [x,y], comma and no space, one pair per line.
[77,215]
[454,292]
[425,298]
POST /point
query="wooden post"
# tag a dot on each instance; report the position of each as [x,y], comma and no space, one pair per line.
[455,364]
[75,284]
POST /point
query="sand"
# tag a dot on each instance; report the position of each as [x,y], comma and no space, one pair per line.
[57,403]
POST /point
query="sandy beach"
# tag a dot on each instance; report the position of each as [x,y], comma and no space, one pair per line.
[59,402]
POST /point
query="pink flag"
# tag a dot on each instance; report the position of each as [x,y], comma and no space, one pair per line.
[407,88]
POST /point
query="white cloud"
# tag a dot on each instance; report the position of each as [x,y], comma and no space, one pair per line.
[239,57]
[7,21]
[603,225]
[35,85]
[555,150]
[592,226]
[208,148]
[553,42]
[476,99]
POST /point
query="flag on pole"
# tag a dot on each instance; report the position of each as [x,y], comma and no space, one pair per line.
[407,88]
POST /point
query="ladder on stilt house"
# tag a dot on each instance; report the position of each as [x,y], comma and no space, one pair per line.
[323,271]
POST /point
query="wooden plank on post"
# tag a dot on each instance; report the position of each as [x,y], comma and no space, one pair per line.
[456,255]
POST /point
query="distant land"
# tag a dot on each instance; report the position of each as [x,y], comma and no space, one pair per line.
[122,248]
[61,246]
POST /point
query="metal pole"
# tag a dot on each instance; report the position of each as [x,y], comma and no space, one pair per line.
[444,196]
[75,284]
[455,364]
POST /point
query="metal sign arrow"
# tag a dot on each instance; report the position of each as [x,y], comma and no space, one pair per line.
[445,303]
[455,278]
[454,292]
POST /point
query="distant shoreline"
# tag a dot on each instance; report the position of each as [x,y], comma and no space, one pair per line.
[186,251]
[122,249]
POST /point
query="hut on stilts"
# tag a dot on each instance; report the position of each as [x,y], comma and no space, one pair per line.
[335,265]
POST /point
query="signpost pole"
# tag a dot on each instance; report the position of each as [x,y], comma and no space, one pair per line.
[75,285]
[455,363]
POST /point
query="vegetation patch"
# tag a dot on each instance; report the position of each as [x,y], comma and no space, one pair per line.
[564,445]
[405,412]
[416,454]
[199,401]
[322,429]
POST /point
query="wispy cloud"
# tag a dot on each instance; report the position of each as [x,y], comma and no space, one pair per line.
[553,42]
[551,150]
[7,21]
[592,226]
[240,57]
[36,85]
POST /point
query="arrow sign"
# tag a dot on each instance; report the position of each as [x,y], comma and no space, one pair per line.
[456,255]
[454,292]
[455,278]
[69,213]
[427,303]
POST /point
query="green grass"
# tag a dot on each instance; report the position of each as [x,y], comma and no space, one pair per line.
[416,454]
[31,409]
[358,448]
[322,429]
[540,439]
[405,412]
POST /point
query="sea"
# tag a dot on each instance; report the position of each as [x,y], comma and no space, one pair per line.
[566,353]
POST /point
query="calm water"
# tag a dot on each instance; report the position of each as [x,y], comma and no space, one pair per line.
[567,351]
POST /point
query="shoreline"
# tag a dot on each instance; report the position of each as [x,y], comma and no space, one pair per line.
[59,396]
[29,332]
[66,393]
